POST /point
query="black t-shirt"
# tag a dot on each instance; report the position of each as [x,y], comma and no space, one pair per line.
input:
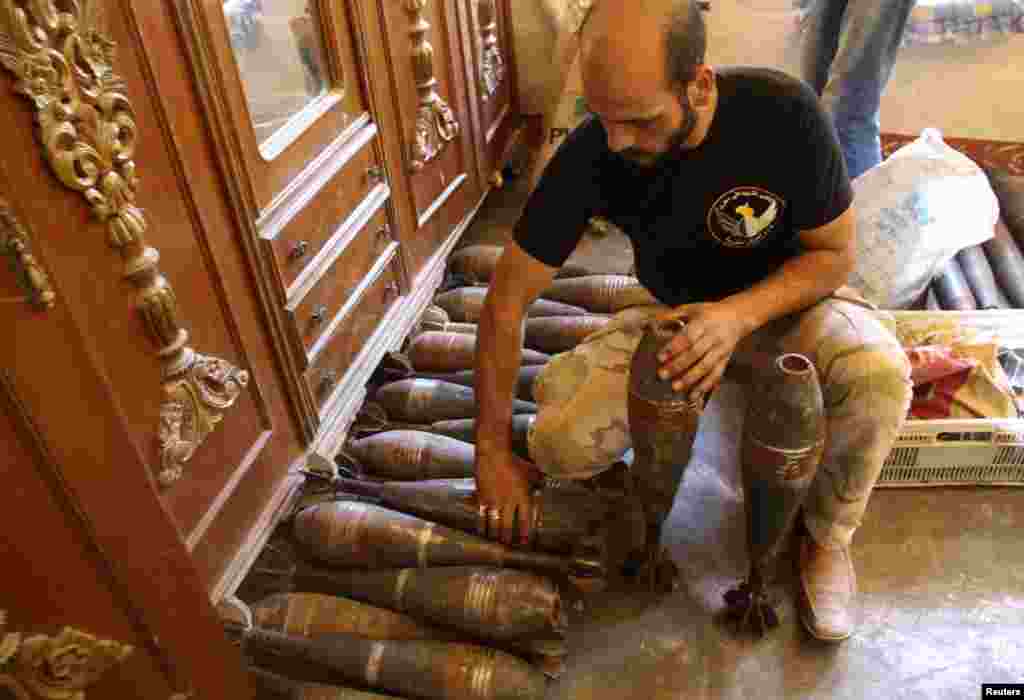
[710,221]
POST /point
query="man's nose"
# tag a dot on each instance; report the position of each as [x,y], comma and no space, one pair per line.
[619,138]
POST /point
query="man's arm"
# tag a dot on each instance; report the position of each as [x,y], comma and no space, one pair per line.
[503,479]
[696,359]
[824,266]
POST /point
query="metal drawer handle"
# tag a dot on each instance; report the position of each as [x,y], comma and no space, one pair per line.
[298,250]
[375,173]
[319,314]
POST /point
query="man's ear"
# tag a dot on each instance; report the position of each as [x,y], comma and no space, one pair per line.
[702,86]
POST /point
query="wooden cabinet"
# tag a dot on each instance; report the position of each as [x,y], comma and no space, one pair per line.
[219,215]
[428,122]
[486,36]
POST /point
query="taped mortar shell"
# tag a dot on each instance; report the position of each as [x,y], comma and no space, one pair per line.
[434,314]
[1008,189]
[361,535]
[565,520]
[430,400]
[320,612]
[604,294]
[662,424]
[451,327]
[476,261]
[410,455]
[465,429]
[467,377]
[434,351]
[554,334]
[479,261]
[782,444]
[422,669]
[271,686]
[500,605]
[980,279]
[315,614]
[952,290]
[1007,264]
[465,304]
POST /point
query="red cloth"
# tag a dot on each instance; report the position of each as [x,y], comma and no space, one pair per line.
[929,363]
[933,400]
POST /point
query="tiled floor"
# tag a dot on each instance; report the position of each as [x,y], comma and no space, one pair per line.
[941,577]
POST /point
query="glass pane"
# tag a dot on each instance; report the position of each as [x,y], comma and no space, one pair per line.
[280,56]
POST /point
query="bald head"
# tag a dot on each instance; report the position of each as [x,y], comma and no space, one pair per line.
[644,77]
[645,40]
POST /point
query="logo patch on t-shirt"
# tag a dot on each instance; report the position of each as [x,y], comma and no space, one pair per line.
[744,216]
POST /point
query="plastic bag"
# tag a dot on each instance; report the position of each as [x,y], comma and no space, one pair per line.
[915,210]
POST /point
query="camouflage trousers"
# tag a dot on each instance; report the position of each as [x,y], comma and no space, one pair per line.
[582,427]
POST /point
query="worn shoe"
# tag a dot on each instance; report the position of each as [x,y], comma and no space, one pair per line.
[827,588]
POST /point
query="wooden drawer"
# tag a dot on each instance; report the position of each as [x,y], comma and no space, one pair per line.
[298,229]
[353,257]
[361,319]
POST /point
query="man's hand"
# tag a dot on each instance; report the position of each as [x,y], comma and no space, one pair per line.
[696,358]
[504,483]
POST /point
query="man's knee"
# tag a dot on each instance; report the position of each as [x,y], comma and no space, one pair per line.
[567,449]
[869,380]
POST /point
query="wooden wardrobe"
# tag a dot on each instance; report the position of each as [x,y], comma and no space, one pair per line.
[217,216]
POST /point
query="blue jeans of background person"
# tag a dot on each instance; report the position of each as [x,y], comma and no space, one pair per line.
[849,50]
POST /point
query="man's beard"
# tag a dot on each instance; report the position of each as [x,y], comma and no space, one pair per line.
[645,159]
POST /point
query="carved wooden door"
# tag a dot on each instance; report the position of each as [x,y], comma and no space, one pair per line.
[105,160]
[429,132]
[99,594]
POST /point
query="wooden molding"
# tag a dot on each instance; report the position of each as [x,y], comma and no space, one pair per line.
[15,241]
[492,65]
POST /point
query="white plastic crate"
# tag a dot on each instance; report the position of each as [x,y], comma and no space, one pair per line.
[956,451]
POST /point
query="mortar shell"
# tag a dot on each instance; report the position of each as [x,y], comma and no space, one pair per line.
[980,279]
[465,429]
[662,423]
[952,290]
[554,334]
[466,303]
[604,294]
[486,603]
[565,519]
[1007,264]
[271,686]
[422,669]
[467,377]
[479,261]
[426,401]
[361,535]
[410,455]
[435,351]
[782,444]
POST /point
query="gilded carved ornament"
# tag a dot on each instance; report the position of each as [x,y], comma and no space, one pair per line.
[60,667]
[492,65]
[63,65]
[436,124]
[14,241]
